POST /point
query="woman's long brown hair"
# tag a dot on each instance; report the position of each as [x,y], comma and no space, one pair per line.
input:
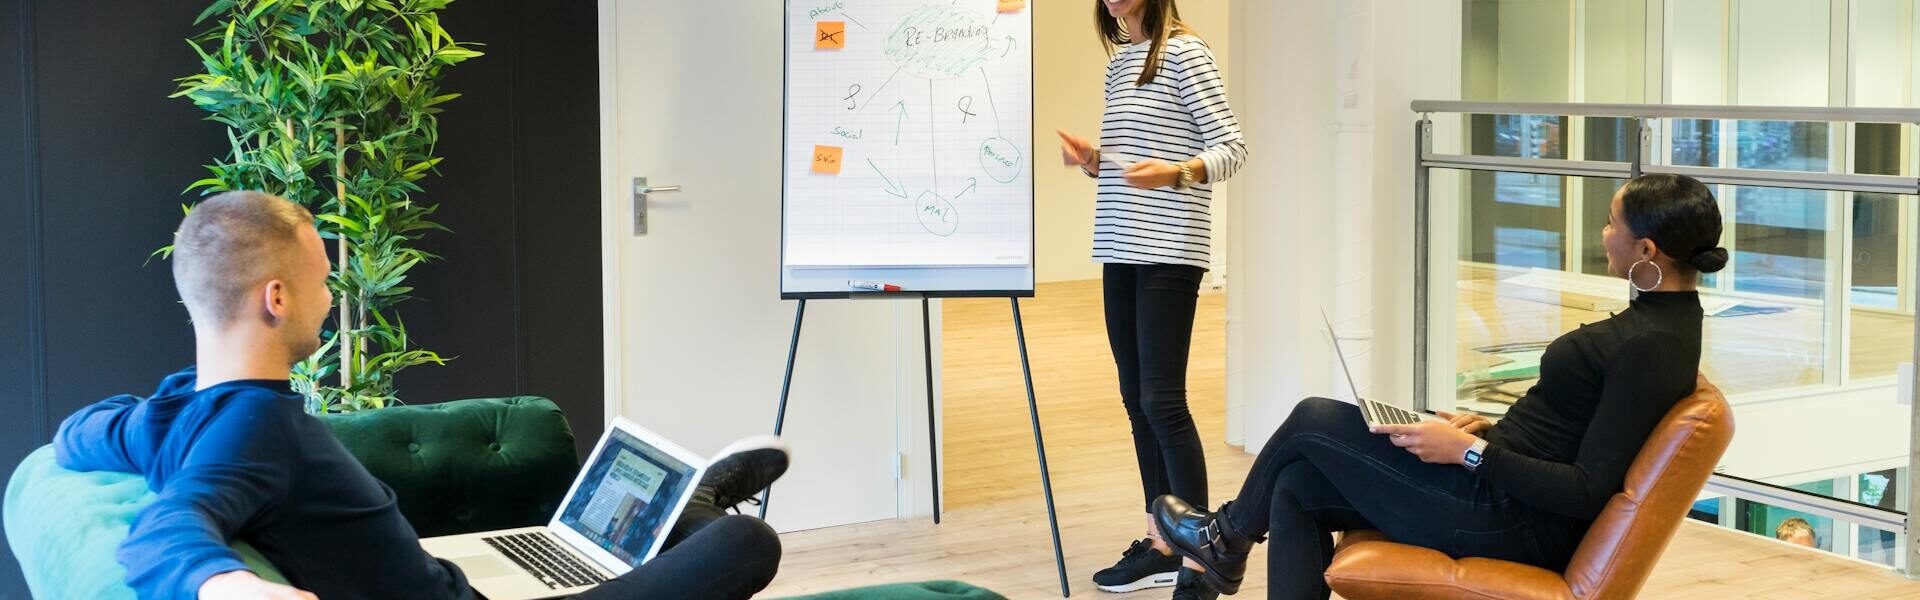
[1162,17]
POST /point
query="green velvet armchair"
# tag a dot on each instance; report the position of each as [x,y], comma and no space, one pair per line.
[456,467]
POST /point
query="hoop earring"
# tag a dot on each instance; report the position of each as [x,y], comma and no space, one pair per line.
[1659,276]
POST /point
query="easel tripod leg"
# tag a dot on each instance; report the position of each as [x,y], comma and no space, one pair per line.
[786,385]
[933,430]
[1040,446]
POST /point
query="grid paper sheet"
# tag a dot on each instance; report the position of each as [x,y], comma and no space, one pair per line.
[909,134]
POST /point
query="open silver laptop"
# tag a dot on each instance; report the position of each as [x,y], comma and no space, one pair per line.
[1376,413]
[615,517]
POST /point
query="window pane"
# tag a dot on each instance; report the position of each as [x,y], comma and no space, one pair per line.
[1780,241]
[1780,52]
[1879,488]
[1606,139]
[1876,251]
[1510,273]
[1779,235]
[1696,142]
[1516,219]
[1515,50]
[1782,145]
[1876,219]
[1882,335]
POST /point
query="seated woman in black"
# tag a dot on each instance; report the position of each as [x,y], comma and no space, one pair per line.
[1524,490]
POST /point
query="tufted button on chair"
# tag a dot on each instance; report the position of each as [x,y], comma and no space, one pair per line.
[455,454]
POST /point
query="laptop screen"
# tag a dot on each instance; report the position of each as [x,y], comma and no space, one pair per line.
[626,496]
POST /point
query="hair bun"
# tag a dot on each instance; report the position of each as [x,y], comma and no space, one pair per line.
[1709,260]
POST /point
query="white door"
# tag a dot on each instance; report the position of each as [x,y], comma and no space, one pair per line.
[696,333]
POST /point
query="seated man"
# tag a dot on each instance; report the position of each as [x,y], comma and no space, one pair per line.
[230,454]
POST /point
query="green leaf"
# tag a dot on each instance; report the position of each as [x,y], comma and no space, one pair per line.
[261,8]
[210,182]
[219,6]
[164,253]
[342,222]
[454,54]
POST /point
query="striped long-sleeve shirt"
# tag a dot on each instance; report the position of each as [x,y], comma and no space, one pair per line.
[1180,115]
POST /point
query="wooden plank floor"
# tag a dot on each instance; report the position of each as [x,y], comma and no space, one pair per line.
[994,533]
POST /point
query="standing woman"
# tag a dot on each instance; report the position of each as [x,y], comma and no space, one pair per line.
[1166,137]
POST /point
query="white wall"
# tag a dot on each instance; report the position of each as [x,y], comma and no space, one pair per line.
[1069,71]
[1288,87]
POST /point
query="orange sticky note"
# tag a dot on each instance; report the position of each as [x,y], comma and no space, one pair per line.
[829,35]
[1012,5]
[826,159]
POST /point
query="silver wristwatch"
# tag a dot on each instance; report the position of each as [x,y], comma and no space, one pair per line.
[1475,454]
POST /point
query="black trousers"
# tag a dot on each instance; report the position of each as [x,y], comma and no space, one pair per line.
[709,554]
[1150,327]
[1323,472]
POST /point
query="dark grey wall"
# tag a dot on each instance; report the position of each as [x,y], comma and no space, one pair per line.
[93,155]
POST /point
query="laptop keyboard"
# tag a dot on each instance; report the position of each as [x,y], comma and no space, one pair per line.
[537,553]
[1389,414]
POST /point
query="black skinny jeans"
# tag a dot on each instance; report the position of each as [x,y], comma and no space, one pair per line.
[709,554]
[1323,472]
[1150,327]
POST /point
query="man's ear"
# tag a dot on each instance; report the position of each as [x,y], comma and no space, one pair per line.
[273,295]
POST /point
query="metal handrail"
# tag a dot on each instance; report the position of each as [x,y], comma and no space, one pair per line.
[1847,114]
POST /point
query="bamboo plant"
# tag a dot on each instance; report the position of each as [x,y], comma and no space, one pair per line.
[332,104]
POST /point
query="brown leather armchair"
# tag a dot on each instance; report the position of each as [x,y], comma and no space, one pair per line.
[1613,560]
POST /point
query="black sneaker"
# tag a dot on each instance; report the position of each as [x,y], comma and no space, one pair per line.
[742,470]
[1140,567]
[1193,586]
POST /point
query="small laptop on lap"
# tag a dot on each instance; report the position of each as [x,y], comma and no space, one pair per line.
[1376,413]
[615,517]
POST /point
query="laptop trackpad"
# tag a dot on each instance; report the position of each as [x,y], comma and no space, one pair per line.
[484,566]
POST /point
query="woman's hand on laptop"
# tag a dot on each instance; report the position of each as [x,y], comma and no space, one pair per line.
[1474,424]
[1437,442]
[244,584]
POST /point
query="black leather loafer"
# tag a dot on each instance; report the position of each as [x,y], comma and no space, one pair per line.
[1201,536]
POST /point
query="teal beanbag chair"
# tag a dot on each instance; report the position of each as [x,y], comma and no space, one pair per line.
[456,467]
[927,590]
[65,527]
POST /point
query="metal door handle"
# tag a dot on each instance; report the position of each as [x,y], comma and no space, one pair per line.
[640,192]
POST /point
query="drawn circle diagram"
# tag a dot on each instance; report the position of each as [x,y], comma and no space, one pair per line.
[936,214]
[1001,159]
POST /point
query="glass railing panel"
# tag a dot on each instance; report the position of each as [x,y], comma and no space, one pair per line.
[1880,336]
[1515,293]
[1837,536]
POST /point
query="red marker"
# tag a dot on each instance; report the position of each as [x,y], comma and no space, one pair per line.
[873,287]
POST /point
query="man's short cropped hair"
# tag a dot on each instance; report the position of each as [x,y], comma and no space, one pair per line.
[1791,527]
[230,243]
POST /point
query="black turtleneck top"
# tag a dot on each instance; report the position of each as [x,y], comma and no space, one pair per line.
[1565,447]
